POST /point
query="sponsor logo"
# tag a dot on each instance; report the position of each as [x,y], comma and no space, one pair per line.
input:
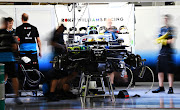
[28,37]
[91,19]
[27,27]
[29,34]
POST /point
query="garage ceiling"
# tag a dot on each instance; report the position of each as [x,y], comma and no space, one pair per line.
[73,1]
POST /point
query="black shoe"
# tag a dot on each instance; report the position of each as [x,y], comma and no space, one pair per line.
[170,91]
[52,97]
[69,95]
[61,95]
[160,89]
[18,101]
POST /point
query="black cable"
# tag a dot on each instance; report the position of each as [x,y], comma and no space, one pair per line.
[81,15]
[88,16]
[15,17]
[56,15]
[71,8]
[129,15]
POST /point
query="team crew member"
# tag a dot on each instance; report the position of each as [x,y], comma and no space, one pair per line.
[111,30]
[10,30]
[59,48]
[7,47]
[165,59]
[58,79]
[58,41]
[114,37]
[28,35]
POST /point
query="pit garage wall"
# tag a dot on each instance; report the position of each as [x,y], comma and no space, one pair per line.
[148,23]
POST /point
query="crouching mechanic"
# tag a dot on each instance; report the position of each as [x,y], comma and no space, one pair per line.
[57,85]
[57,79]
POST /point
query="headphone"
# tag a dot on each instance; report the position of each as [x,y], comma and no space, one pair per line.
[72,28]
[93,32]
[93,28]
[102,28]
[82,28]
[114,27]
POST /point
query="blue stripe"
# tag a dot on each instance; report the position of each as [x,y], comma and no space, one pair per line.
[7,57]
[25,53]
[44,64]
[113,34]
[28,47]
[152,55]
[164,30]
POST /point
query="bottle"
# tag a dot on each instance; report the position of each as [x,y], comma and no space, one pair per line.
[124,73]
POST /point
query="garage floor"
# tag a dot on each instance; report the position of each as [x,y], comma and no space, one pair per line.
[145,101]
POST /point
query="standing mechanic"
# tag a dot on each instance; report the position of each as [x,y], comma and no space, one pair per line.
[10,30]
[7,48]
[28,36]
[165,59]
[114,37]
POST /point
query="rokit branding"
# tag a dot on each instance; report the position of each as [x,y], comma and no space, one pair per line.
[91,19]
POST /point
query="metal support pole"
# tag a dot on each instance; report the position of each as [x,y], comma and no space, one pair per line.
[74,4]
[82,80]
[87,87]
[2,88]
[103,86]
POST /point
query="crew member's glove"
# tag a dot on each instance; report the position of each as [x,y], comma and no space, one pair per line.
[162,41]
[163,36]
